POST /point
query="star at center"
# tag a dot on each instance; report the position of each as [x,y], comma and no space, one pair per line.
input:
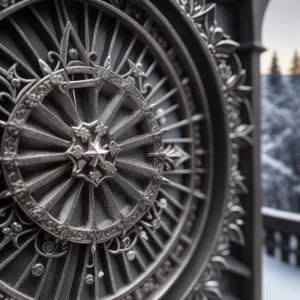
[97,154]
[93,159]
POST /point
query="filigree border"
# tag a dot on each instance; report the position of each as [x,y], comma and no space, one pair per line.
[223,50]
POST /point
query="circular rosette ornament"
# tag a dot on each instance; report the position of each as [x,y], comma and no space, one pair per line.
[89,162]
[114,148]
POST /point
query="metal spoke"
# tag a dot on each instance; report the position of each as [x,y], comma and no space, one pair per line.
[45,116]
[5,241]
[17,252]
[65,102]
[43,280]
[83,273]
[168,212]
[112,108]
[126,55]
[184,122]
[41,158]
[50,199]
[141,262]
[113,41]
[86,28]
[166,97]
[156,88]
[155,238]
[26,272]
[110,271]
[128,188]
[184,172]
[20,62]
[165,228]
[139,141]
[64,273]
[42,139]
[24,38]
[64,10]
[185,189]
[151,68]
[171,199]
[125,124]
[67,210]
[96,271]
[59,15]
[110,203]
[167,111]
[96,29]
[178,141]
[93,109]
[148,248]
[136,167]
[46,178]
[45,26]
[127,271]
[92,207]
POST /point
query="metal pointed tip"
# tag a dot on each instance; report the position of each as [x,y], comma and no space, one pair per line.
[161,132]
[3,124]
[165,180]
[44,67]
[199,195]
[197,118]
[153,106]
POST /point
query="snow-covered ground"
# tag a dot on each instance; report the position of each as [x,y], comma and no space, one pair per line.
[280,281]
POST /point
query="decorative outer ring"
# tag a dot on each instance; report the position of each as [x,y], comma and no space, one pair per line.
[202,17]
[210,284]
[161,268]
[13,175]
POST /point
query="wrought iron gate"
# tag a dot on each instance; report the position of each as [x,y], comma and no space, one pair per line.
[120,138]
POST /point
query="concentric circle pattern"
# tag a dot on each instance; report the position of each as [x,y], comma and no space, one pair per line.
[107,150]
[90,159]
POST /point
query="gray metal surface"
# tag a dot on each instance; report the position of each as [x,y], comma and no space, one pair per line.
[120,169]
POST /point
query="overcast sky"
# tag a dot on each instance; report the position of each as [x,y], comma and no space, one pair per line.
[281,32]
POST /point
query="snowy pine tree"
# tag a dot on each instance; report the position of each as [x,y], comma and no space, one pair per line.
[275,80]
[280,140]
[295,68]
[295,88]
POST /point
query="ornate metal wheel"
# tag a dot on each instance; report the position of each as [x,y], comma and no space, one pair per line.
[115,148]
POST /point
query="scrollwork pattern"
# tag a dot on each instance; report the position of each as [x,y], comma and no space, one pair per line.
[222,48]
[54,68]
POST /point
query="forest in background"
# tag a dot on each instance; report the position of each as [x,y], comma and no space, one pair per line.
[281,136]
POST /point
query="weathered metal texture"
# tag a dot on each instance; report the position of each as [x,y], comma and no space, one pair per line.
[121,130]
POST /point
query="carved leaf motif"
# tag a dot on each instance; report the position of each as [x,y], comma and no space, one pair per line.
[236,80]
[220,260]
[222,48]
[236,234]
[227,46]
[243,130]
[235,212]
[212,290]
[238,180]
